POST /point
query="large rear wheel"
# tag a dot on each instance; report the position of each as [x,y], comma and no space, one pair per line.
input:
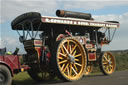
[41,76]
[70,59]
[107,63]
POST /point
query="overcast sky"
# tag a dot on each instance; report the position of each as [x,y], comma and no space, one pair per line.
[101,10]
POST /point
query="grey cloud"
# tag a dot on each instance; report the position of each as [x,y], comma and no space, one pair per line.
[12,8]
[92,4]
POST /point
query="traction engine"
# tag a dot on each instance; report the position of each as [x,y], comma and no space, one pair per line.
[66,46]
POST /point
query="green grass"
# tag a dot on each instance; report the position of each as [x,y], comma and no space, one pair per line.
[121,61]
[22,79]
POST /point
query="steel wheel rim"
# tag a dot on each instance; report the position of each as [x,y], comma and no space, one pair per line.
[71,59]
[108,62]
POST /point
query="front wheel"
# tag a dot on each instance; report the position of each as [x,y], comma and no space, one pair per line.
[5,76]
[70,59]
[107,63]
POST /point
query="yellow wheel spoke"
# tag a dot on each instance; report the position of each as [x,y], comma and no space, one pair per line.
[78,55]
[107,68]
[109,59]
[70,69]
[75,67]
[62,54]
[65,49]
[68,45]
[60,57]
[65,68]
[63,61]
[74,53]
[105,58]
[62,50]
[76,59]
[62,67]
[73,49]
[111,66]
[74,71]
[104,62]
[78,64]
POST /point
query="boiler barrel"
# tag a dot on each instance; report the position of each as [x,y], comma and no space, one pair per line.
[63,13]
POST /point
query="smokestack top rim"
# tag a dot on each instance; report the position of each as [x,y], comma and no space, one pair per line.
[60,13]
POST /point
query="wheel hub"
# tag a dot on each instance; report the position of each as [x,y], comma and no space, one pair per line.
[109,62]
[71,58]
[2,78]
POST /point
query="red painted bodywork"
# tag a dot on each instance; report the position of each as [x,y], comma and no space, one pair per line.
[11,61]
[91,56]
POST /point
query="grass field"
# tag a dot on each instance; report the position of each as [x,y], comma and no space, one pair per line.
[121,60]
[121,64]
[22,79]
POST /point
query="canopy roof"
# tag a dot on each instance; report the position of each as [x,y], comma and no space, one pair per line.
[34,21]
